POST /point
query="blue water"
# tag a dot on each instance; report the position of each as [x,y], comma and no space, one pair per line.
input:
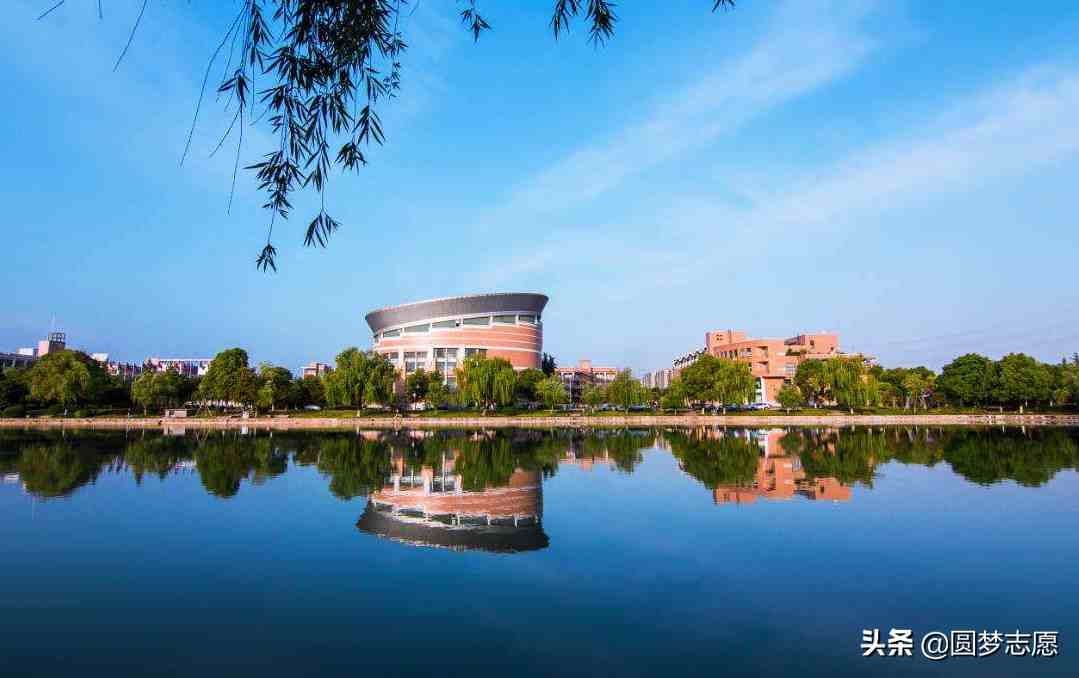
[638,572]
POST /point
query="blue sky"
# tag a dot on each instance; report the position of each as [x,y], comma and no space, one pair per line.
[903,173]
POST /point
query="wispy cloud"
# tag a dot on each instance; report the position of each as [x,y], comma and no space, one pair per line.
[1011,129]
[806,46]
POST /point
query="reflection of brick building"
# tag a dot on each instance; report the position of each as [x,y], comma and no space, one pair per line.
[780,476]
[428,508]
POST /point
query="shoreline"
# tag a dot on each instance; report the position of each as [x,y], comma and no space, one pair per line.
[317,423]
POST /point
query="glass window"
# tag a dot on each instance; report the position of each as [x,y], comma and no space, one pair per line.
[485,320]
[506,319]
[417,329]
[446,362]
[475,351]
[527,319]
[394,358]
[391,333]
[414,360]
[444,325]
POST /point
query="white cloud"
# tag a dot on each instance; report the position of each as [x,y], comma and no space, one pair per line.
[807,46]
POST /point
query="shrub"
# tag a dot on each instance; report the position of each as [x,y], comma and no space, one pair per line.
[55,410]
[81,414]
[14,412]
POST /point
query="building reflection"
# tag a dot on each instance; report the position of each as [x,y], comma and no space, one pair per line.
[742,466]
[428,506]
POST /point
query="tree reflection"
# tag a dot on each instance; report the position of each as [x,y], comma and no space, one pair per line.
[56,464]
[1029,458]
[715,460]
[224,461]
[356,466]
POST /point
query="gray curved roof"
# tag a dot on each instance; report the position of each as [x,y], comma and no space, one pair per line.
[450,306]
[496,539]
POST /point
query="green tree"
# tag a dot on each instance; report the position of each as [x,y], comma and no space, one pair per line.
[849,382]
[526,384]
[487,382]
[66,377]
[1067,388]
[967,380]
[312,391]
[552,392]
[276,382]
[438,393]
[229,379]
[1021,379]
[699,378]
[381,377]
[548,364]
[674,397]
[593,396]
[916,386]
[811,378]
[345,386]
[625,391]
[13,390]
[417,385]
[159,389]
[790,397]
[360,378]
[734,383]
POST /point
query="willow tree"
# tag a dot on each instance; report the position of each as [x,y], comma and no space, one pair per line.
[325,69]
[487,382]
[67,378]
[625,391]
[850,383]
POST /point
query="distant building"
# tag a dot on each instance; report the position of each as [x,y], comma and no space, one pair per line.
[662,378]
[189,367]
[56,341]
[658,379]
[126,371]
[772,361]
[15,360]
[584,374]
[28,351]
[316,369]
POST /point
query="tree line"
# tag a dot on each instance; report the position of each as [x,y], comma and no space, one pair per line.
[852,382]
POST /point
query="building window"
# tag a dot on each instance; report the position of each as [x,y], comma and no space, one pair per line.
[475,351]
[391,333]
[446,363]
[394,358]
[484,321]
[506,319]
[417,329]
[530,319]
[444,325]
[414,360]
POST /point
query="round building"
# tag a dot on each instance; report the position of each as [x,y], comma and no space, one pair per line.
[439,334]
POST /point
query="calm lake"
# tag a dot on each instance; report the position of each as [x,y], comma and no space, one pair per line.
[613,552]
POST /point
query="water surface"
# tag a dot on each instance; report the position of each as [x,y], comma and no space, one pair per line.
[636,552]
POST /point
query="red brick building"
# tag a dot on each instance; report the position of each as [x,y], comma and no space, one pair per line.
[439,334]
